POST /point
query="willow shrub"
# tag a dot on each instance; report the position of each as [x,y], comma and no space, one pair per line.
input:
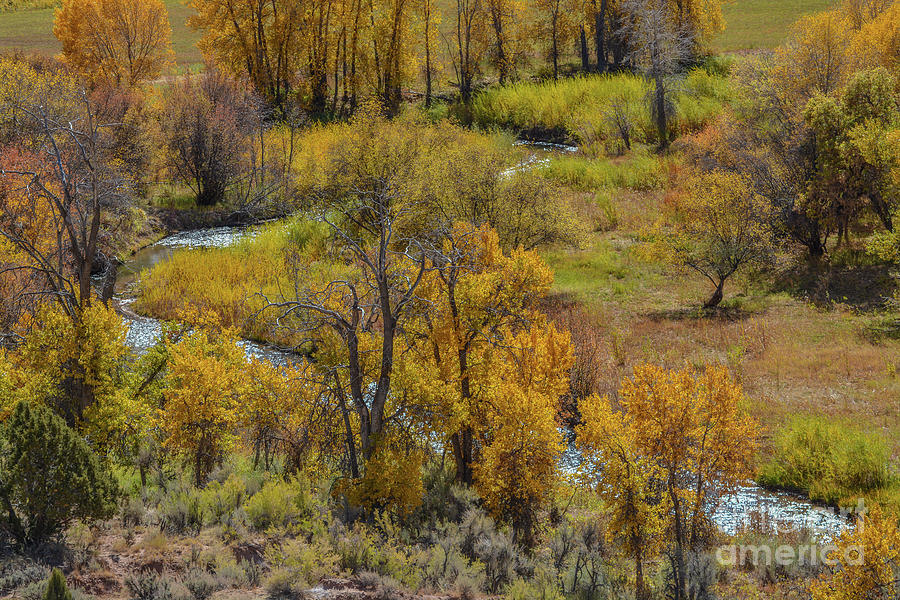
[830,461]
[639,171]
[229,282]
[579,108]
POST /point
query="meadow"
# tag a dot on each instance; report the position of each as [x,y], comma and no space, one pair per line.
[762,24]
[30,30]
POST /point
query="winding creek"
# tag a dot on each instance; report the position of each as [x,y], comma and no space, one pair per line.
[750,506]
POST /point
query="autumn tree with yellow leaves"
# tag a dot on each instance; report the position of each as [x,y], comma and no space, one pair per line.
[630,483]
[866,561]
[721,227]
[491,370]
[680,442]
[74,367]
[63,195]
[115,42]
[202,398]
[255,39]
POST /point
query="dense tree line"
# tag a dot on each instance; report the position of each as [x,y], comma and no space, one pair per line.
[327,56]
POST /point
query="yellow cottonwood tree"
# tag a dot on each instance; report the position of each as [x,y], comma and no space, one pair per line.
[682,434]
[628,482]
[202,397]
[73,366]
[703,18]
[815,58]
[520,439]
[256,39]
[495,370]
[868,559]
[878,42]
[118,42]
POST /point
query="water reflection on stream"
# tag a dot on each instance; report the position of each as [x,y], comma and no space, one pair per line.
[780,512]
[751,505]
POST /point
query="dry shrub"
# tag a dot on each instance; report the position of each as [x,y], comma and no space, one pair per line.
[594,358]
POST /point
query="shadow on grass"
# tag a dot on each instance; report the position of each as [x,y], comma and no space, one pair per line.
[864,288]
[728,313]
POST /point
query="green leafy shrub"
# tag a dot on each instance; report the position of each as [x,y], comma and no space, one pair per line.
[502,560]
[279,503]
[542,588]
[132,512]
[445,500]
[50,477]
[284,584]
[827,460]
[311,560]
[19,572]
[181,512]
[219,500]
[356,550]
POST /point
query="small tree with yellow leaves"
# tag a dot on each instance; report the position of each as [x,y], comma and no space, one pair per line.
[115,42]
[722,226]
[491,370]
[628,482]
[202,398]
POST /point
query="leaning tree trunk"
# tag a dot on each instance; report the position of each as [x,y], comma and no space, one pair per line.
[717,296]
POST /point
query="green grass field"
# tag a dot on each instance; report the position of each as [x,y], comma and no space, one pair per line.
[32,31]
[755,24]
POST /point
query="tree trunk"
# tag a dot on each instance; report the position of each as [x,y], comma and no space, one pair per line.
[717,296]
[661,122]
[585,60]
[640,591]
[555,49]
[427,59]
[348,430]
[600,35]
[680,570]
[462,455]
[198,468]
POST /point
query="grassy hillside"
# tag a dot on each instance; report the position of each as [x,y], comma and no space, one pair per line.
[32,31]
[754,24]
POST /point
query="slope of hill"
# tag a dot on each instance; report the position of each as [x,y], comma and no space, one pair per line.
[760,24]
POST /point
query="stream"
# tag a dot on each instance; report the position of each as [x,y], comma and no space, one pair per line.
[750,506]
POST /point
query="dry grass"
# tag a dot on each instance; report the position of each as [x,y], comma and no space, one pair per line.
[793,356]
